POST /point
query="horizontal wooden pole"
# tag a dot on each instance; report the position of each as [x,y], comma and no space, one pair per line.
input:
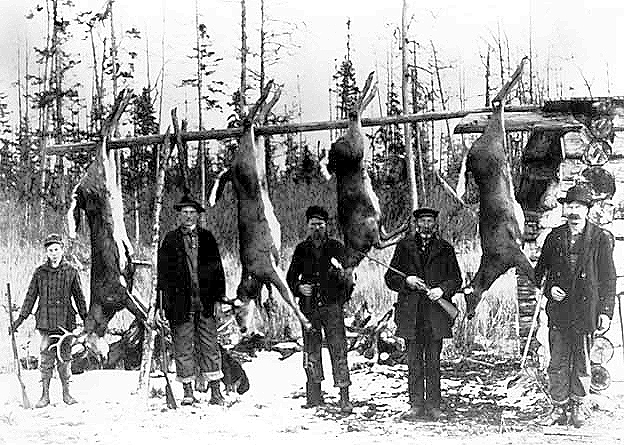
[229,133]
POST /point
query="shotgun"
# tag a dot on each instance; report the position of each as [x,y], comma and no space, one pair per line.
[171,403]
[18,366]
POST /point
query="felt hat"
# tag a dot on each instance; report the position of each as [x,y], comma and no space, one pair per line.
[317,212]
[53,238]
[579,193]
[187,201]
[425,211]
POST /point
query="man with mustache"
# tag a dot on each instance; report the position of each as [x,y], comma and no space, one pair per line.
[426,261]
[322,286]
[577,261]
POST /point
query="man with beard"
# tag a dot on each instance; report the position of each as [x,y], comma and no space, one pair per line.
[322,287]
[430,278]
[577,261]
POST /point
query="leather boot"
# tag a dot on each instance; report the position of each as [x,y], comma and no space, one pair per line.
[557,416]
[577,414]
[216,398]
[64,375]
[188,398]
[414,413]
[345,404]
[314,396]
[45,393]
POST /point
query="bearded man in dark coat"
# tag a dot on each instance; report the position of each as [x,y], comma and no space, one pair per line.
[425,273]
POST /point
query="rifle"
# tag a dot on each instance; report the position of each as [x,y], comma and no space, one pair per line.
[25,401]
[171,403]
[448,307]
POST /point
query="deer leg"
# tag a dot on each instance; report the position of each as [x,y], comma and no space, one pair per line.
[279,281]
[391,238]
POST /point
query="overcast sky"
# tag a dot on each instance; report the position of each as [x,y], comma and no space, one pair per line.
[579,38]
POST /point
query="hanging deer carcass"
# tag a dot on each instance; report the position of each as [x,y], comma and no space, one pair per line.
[98,194]
[359,212]
[259,233]
[501,219]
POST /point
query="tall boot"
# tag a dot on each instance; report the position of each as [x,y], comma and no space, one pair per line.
[345,404]
[64,375]
[578,414]
[45,394]
[216,398]
[188,398]
[314,396]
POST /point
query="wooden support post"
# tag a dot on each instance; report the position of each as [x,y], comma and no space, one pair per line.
[150,332]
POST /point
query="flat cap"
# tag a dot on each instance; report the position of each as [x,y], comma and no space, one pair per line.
[425,211]
[317,212]
[53,238]
[580,193]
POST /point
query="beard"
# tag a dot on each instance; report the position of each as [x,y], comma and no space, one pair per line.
[317,235]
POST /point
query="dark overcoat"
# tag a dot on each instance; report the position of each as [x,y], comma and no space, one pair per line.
[590,286]
[55,287]
[440,269]
[174,277]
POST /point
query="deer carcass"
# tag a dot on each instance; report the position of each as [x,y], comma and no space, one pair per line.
[501,220]
[359,212]
[259,233]
[98,194]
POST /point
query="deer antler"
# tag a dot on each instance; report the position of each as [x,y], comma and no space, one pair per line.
[61,339]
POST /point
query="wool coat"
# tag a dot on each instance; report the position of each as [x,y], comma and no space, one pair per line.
[174,277]
[55,287]
[438,269]
[590,286]
[312,265]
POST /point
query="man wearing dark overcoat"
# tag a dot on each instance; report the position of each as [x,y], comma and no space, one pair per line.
[577,261]
[425,273]
[192,281]
[54,284]
[322,286]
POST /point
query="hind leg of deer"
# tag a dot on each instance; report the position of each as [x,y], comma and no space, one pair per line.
[279,281]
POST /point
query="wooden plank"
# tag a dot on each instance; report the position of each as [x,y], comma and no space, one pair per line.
[515,121]
[229,133]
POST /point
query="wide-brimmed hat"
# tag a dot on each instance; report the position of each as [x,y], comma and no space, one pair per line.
[425,211]
[53,238]
[317,212]
[187,201]
[579,193]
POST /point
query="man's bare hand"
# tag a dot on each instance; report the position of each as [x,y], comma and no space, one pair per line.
[306,290]
[557,293]
[414,282]
[435,294]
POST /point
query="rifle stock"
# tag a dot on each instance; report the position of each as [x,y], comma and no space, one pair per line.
[18,367]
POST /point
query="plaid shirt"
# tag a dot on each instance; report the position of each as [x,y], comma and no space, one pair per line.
[55,287]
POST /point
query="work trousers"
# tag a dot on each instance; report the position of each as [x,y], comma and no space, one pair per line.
[329,318]
[423,367]
[48,358]
[569,370]
[195,347]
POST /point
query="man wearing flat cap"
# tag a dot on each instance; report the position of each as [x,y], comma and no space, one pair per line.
[192,281]
[55,283]
[577,262]
[322,286]
[425,273]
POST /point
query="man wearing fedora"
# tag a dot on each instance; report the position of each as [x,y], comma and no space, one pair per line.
[191,279]
[577,262]
[322,286]
[55,283]
[425,273]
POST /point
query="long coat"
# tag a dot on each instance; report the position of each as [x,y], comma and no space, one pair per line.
[590,286]
[174,277]
[55,287]
[439,270]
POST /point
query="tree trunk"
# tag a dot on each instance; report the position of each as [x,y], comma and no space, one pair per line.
[201,158]
[244,49]
[407,130]
[150,332]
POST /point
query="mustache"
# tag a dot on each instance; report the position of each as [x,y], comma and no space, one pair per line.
[574,216]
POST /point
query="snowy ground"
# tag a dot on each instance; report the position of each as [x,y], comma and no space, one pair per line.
[109,413]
